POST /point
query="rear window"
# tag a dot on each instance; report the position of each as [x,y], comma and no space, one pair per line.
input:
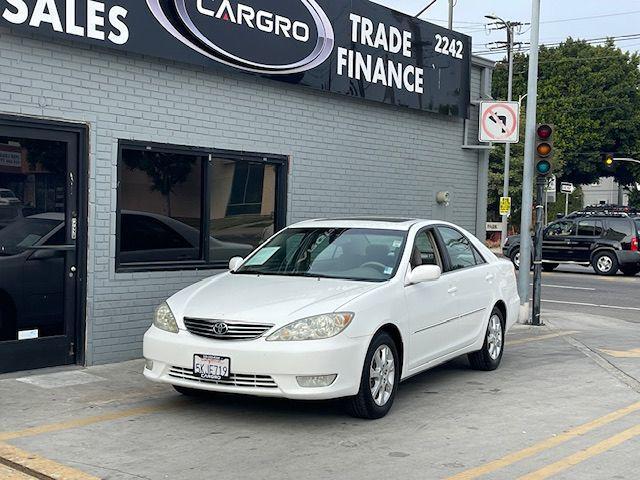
[619,228]
[638,224]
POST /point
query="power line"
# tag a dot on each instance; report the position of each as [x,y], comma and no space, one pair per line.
[619,38]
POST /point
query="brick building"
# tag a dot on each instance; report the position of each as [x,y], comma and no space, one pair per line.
[134,175]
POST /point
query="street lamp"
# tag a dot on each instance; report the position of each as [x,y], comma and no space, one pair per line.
[508,26]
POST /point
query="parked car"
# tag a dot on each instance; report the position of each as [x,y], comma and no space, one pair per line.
[31,287]
[607,242]
[337,308]
[9,214]
[7,197]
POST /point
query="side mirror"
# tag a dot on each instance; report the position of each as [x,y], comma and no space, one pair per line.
[424,273]
[235,263]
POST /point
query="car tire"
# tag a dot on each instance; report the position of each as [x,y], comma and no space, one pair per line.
[605,263]
[490,356]
[550,267]
[630,271]
[367,403]
[515,258]
[189,392]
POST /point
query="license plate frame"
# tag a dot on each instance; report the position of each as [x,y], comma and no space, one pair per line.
[211,367]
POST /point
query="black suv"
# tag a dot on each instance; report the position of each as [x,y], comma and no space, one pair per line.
[605,240]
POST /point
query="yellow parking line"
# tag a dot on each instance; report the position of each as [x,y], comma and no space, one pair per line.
[539,447]
[82,422]
[583,455]
[7,473]
[26,465]
[538,337]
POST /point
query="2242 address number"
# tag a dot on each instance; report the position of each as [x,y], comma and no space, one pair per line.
[448,46]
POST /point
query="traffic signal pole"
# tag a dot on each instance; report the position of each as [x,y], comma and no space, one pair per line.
[527,180]
[541,192]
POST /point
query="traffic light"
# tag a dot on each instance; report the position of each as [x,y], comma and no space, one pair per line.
[544,149]
[609,161]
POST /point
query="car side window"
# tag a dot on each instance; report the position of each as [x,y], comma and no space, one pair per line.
[425,251]
[561,229]
[619,229]
[460,250]
[587,228]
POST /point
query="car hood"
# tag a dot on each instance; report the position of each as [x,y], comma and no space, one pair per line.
[264,299]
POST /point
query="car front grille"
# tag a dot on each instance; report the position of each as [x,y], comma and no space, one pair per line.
[205,327]
[235,380]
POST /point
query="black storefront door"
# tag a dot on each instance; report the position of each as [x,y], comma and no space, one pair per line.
[39,245]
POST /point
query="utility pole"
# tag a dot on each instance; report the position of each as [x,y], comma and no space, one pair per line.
[451,5]
[527,180]
[510,28]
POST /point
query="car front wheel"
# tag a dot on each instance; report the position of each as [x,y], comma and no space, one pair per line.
[490,356]
[379,380]
[605,263]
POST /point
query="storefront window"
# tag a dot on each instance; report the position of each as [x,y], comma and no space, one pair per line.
[243,201]
[162,196]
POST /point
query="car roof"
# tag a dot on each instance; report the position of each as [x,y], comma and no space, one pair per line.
[381,223]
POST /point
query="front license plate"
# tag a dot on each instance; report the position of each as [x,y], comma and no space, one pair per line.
[211,367]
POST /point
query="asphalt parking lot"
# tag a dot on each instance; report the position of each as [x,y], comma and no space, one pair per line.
[565,405]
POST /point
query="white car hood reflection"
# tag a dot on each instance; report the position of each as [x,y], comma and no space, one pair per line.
[265,299]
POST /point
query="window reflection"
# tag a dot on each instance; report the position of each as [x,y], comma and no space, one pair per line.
[161,206]
[243,198]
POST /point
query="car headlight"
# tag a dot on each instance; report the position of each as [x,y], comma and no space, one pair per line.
[313,328]
[164,319]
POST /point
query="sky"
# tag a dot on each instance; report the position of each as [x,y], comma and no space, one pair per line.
[559,19]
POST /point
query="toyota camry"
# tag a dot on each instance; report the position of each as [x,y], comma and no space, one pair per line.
[343,308]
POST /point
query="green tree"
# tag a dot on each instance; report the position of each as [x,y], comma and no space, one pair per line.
[591,94]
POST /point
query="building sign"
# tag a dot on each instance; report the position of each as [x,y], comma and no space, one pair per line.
[352,47]
[10,159]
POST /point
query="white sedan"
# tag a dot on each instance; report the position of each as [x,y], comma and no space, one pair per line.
[337,308]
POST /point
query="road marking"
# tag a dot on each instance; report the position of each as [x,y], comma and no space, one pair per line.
[82,422]
[635,353]
[32,466]
[538,337]
[547,444]
[581,456]
[7,473]
[615,307]
[567,287]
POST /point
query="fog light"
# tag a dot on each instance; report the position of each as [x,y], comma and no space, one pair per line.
[148,364]
[316,381]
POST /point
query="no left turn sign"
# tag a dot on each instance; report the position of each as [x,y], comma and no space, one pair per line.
[499,122]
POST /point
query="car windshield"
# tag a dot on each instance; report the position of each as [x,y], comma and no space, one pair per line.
[24,233]
[344,253]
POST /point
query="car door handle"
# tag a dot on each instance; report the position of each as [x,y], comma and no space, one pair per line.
[490,277]
[452,290]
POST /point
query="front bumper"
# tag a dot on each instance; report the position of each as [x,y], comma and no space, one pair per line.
[259,367]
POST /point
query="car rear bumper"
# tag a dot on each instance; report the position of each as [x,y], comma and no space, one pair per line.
[259,367]
[628,259]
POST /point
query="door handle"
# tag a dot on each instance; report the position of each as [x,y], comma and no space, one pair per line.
[490,277]
[452,290]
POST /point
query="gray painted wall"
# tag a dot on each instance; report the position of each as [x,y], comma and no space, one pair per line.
[348,156]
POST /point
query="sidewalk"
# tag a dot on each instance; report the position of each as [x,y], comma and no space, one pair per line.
[566,400]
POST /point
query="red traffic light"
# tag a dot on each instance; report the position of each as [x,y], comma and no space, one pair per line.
[544,131]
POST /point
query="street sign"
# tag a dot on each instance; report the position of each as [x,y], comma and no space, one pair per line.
[494,226]
[505,206]
[499,122]
[566,187]
[552,187]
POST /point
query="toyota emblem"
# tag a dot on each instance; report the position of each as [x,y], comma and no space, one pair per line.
[220,328]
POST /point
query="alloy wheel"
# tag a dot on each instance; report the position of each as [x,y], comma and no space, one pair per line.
[494,337]
[516,259]
[382,375]
[605,264]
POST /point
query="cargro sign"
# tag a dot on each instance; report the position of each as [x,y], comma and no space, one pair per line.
[352,47]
